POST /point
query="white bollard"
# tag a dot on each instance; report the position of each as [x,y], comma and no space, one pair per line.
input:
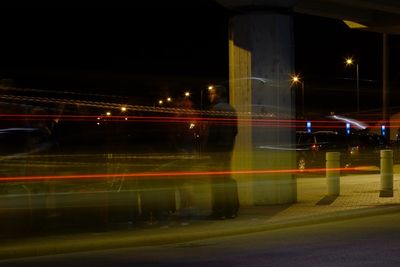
[386,170]
[333,173]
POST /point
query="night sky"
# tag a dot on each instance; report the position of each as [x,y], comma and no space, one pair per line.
[119,49]
[151,52]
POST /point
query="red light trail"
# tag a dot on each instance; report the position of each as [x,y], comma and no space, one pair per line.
[317,124]
[166,175]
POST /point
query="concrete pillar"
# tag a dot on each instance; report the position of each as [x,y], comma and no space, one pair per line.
[387,170]
[333,173]
[261,62]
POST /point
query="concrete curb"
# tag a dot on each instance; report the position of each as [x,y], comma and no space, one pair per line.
[90,242]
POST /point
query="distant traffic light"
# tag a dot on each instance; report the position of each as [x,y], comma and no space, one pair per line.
[308,126]
[383,130]
[348,128]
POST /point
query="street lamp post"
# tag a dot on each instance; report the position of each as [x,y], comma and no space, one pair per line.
[350,62]
[385,58]
[302,97]
[296,79]
[358,88]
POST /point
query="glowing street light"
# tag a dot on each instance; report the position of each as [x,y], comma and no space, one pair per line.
[160,102]
[169,99]
[296,79]
[349,62]
[123,109]
[187,94]
[108,113]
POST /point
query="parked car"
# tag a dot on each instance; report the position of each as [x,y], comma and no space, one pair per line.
[364,149]
[356,149]
[312,147]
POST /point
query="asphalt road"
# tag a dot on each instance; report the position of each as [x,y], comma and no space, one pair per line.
[368,241]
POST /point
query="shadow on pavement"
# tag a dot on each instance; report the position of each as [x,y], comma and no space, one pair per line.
[326,200]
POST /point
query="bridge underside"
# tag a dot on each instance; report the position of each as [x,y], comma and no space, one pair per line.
[372,15]
[261,46]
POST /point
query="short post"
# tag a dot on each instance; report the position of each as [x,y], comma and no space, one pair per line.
[333,173]
[387,172]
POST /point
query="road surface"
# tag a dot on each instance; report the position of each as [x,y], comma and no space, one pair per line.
[367,241]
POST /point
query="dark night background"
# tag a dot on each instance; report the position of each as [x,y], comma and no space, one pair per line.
[147,53]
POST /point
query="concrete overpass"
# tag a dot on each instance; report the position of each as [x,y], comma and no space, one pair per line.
[375,15]
[261,45]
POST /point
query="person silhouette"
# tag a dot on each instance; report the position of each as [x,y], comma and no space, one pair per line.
[220,141]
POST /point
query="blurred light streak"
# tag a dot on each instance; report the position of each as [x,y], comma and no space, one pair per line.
[164,175]
[17,129]
[317,124]
[358,124]
[64,116]
[9,88]
[43,117]
[110,105]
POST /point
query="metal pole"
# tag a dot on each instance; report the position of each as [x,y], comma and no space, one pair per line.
[358,89]
[302,93]
[385,78]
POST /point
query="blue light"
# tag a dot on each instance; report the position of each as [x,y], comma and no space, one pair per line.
[347,128]
[308,126]
[383,130]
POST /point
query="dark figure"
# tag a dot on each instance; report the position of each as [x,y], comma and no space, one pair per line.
[183,132]
[219,145]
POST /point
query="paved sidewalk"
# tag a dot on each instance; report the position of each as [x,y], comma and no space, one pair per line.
[359,197]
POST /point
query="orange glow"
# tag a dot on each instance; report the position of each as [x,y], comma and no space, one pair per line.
[166,175]
[314,147]
[295,79]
